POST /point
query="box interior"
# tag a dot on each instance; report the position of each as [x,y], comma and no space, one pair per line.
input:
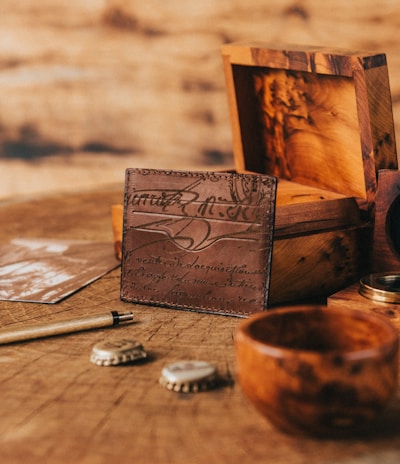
[302,127]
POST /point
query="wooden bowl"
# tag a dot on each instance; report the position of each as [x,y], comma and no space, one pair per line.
[316,370]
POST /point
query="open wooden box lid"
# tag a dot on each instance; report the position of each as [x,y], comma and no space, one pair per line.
[313,116]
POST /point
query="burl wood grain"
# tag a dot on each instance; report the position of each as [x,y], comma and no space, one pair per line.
[317,371]
[319,264]
[307,118]
[351,298]
[311,115]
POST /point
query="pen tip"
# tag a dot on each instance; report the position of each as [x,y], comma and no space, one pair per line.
[123,317]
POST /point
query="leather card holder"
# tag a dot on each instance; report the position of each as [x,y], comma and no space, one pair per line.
[199,241]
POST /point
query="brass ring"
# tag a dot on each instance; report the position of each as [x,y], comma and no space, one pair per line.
[382,287]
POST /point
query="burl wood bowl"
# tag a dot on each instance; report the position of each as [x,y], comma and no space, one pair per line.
[318,371]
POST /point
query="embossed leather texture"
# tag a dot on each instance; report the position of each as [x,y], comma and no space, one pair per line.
[200,241]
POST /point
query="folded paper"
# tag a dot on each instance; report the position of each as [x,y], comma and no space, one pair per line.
[42,270]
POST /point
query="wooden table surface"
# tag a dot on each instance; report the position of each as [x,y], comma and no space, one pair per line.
[57,407]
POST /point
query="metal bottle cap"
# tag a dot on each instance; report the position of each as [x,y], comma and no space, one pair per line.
[188,376]
[114,352]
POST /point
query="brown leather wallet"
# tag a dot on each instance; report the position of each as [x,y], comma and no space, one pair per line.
[200,241]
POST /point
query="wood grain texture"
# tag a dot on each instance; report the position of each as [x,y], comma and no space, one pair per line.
[307,119]
[58,407]
[350,297]
[288,366]
[318,264]
[311,115]
[302,209]
[386,251]
[303,114]
[89,88]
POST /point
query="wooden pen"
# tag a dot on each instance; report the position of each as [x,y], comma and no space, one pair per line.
[64,326]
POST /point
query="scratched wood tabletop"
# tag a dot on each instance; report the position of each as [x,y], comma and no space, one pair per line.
[57,407]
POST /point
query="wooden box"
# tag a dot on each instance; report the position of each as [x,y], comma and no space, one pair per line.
[321,121]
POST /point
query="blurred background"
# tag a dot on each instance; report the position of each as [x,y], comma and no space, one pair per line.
[91,87]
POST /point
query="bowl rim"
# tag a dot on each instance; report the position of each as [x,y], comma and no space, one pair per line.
[275,350]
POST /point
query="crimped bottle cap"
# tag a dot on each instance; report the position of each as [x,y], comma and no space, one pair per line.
[188,376]
[114,352]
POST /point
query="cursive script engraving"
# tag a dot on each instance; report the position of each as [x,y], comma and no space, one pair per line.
[241,204]
[198,240]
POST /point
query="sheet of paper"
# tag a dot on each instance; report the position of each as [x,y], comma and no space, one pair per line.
[48,270]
